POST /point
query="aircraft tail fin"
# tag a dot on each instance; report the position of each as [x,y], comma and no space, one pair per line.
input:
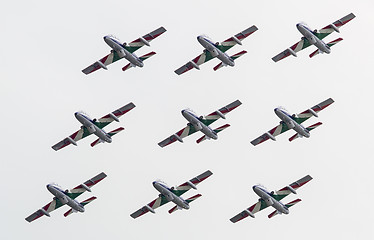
[310,128]
[114,132]
[217,130]
[233,57]
[330,44]
[144,57]
[175,208]
[85,202]
[288,205]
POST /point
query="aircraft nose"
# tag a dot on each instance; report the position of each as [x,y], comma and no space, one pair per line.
[275,109]
[254,187]
[154,183]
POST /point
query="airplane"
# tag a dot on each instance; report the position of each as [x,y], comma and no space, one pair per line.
[201,124]
[172,194]
[315,38]
[94,126]
[67,197]
[293,122]
[123,50]
[218,50]
[272,199]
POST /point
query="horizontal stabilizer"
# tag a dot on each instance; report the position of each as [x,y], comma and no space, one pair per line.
[217,130]
[146,56]
[310,128]
[114,132]
[233,57]
[330,44]
[288,205]
[128,66]
[85,202]
[187,200]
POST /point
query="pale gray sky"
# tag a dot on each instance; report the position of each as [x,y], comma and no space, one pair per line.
[44,47]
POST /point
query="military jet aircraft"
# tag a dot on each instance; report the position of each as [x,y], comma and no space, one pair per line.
[212,50]
[94,126]
[67,197]
[293,122]
[201,123]
[272,199]
[315,38]
[168,194]
[123,50]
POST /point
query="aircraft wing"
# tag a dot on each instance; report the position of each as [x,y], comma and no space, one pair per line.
[302,44]
[86,186]
[232,41]
[161,200]
[282,193]
[214,116]
[56,203]
[102,63]
[195,63]
[281,128]
[260,205]
[72,139]
[301,117]
[140,42]
[190,129]
[191,183]
[113,116]
[322,33]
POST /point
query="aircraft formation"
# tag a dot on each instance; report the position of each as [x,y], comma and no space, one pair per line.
[195,123]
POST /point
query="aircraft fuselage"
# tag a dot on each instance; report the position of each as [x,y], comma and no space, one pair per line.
[198,124]
[313,39]
[122,52]
[267,197]
[64,198]
[215,52]
[292,124]
[170,196]
[92,128]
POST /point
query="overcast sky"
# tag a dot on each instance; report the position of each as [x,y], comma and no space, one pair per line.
[46,44]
